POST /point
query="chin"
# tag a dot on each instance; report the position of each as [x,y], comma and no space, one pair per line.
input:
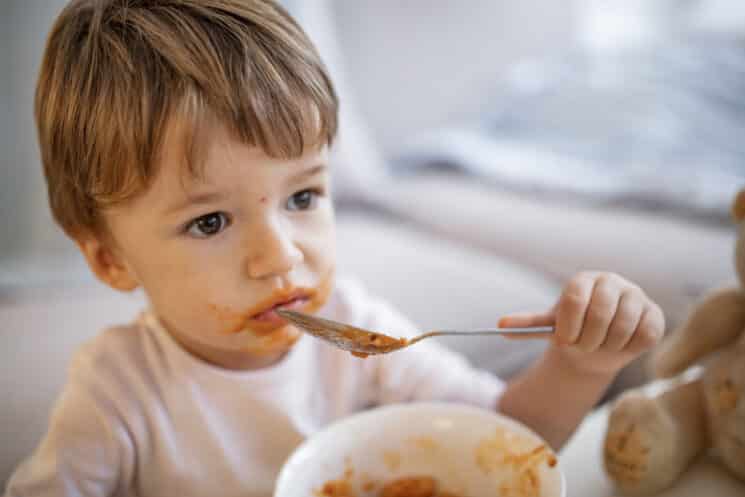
[279,341]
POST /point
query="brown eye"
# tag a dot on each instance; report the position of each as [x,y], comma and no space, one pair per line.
[207,225]
[302,201]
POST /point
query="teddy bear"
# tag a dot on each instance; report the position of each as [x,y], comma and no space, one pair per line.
[652,438]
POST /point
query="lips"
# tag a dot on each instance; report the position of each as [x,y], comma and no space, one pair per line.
[270,314]
[263,318]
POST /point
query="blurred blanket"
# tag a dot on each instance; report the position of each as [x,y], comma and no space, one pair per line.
[659,127]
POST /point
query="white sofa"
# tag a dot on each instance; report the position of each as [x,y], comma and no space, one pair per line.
[674,260]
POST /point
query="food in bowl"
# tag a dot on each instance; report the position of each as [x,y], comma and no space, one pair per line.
[409,486]
[336,488]
[453,451]
[505,450]
[508,450]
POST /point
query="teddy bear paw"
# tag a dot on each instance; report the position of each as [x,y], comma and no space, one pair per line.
[639,445]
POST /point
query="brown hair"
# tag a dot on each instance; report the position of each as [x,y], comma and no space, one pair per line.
[115,72]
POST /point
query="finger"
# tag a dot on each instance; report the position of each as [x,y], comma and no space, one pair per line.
[625,322]
[527,319]
[602,308]
[650,330]
[571,308]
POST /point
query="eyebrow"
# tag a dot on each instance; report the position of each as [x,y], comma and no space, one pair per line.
[211,197]
[197,199]
[308,173]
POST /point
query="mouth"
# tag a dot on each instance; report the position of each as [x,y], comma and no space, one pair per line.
[265,318]
[271,315]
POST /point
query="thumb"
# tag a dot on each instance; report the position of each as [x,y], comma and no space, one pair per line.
[526,319]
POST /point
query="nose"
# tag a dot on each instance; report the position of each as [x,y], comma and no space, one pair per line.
[272,251]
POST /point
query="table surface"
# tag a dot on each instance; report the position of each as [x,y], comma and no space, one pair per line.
[582,463]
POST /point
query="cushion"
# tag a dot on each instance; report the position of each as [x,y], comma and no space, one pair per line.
[673,260]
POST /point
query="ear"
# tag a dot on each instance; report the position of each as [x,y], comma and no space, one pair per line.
[738,207]
[106,264]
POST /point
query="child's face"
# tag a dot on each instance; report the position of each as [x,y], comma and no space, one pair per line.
[216,255]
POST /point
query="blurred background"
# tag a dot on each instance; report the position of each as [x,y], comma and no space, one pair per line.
[488,150]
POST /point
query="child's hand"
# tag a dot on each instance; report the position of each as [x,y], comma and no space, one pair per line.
[602,323]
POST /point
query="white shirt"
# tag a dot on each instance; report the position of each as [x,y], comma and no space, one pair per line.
[139,416]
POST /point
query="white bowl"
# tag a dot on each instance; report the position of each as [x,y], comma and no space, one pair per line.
[458,445]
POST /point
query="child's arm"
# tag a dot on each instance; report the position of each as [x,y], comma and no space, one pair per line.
[602,323]
[78,456]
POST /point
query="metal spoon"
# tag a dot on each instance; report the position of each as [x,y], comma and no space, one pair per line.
[362,343]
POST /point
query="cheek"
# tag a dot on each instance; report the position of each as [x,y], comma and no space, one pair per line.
[166,274]
[180,286]
[325,256]
[229,321]
[320,242]
[323,290]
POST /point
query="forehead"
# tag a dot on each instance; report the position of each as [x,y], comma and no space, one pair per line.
[194,157]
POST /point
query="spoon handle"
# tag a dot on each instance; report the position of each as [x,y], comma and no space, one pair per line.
[496,331]
[485,331]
